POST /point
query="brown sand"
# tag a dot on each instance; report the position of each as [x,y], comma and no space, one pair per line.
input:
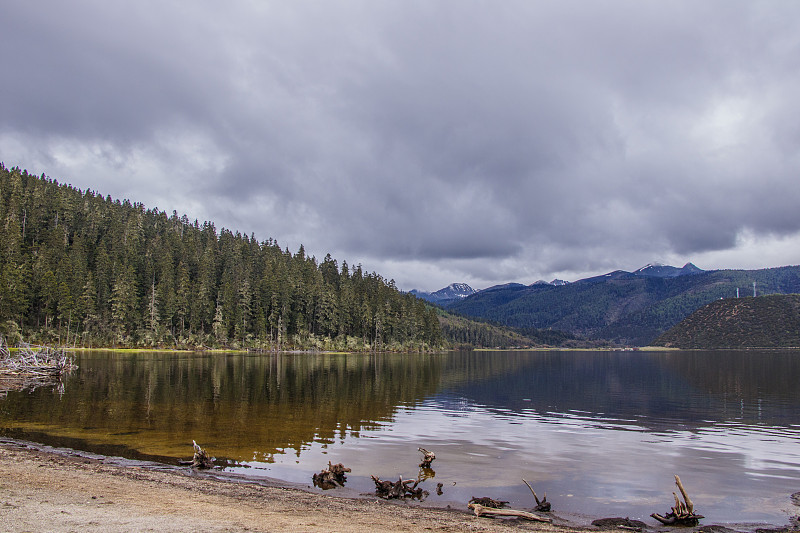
[44,490]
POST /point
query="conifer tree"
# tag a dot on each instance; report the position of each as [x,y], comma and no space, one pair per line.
[124,304]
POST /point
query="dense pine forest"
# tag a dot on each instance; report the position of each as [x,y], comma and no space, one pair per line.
[77,268]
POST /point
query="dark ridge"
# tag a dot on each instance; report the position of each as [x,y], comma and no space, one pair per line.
[622,307]
[763,322]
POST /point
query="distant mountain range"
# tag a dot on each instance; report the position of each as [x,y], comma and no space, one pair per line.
[630,308]
[458,291]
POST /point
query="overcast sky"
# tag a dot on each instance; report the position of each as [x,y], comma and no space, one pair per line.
[433,141]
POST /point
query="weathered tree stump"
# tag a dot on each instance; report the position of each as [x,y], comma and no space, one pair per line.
[399,489]
[201,458]
[330,478]
[683,513]
[542,506]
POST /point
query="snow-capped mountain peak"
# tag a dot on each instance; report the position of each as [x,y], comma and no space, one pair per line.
[650,266]
[454,291]
[458,289]
[659,270]
[555,282]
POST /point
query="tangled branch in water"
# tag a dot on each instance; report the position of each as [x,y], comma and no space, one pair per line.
[32,366]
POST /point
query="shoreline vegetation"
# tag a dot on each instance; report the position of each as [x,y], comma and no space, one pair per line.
[80,268]
[245,351]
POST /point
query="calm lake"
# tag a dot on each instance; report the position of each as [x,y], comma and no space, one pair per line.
[602,433]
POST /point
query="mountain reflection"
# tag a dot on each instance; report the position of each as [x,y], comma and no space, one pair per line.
[656,390]
[249,407]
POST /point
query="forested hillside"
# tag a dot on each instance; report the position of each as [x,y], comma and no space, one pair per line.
[764,322]
[80,268]
[463,332]
[620,307]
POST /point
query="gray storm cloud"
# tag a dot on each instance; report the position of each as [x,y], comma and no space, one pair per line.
[433,141]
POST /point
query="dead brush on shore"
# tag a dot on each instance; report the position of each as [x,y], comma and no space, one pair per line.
[32,366]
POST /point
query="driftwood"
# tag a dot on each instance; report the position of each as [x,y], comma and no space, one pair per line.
[332,477]
[481,510]
[542,506]
[427,459]
[201,458]
[32,366]
[488,502]
[399,489]
[35,360]
[683,513]
[491,507]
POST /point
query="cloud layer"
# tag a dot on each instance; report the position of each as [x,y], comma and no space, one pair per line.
[431,141]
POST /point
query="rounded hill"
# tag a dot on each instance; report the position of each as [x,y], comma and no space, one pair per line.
[771,321]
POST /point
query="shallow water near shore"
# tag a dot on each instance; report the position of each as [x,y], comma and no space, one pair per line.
[602,433]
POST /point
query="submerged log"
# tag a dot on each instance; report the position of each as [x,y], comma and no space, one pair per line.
[542,506]
[332,477]
[481,510]
[682,514]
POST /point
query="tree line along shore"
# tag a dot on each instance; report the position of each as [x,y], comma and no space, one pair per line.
[77,268]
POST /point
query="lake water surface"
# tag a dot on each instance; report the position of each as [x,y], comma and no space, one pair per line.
[602,433]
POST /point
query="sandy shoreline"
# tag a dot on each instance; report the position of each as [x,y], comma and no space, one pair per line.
[54,491]
[58,490]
